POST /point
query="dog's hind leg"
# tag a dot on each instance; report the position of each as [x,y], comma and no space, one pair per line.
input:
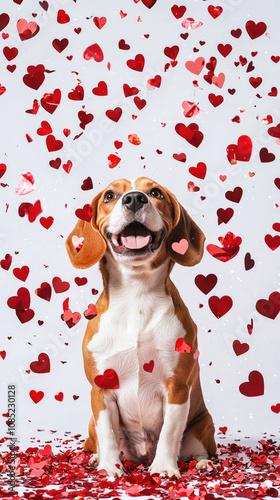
[198,443]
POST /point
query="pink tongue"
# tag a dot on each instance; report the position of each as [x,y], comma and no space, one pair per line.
[135,242]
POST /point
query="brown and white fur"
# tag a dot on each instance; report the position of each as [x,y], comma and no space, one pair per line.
[157,415]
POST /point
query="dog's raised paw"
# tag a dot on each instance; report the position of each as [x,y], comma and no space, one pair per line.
[203,464]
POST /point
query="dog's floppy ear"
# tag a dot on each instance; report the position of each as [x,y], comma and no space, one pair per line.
[185,242]
[93,245]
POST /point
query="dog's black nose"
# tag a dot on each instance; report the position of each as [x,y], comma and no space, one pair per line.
[134,200]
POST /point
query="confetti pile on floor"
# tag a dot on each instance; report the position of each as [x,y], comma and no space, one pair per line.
[239,472]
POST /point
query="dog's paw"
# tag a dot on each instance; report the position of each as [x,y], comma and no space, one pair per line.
[166,469]
[111,469]
[203,464]
[93,461]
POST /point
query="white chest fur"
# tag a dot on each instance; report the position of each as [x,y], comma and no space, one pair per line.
[136,338]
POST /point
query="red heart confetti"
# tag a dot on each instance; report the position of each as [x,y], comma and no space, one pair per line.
[240,347]
[36,396]
[240,152]
[148,367]
[255,386]
[255,30]
[91,311]
[42,365]
[59,396]
[206,283]
[101,89]
[60,286]
[84,213]
[271,307]
[94,52]
[21,273]
[137,64]
[27,30]
[182,347]
[220,306]
[44,291]
[109,380]
[215,11]
[46,222]
[6,262]
[51,100]
[199,171]
[191,133]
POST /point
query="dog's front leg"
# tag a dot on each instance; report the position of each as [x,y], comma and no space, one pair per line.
[107,429]
[170,438]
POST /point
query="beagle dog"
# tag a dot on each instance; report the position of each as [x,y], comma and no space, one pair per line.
[140,350]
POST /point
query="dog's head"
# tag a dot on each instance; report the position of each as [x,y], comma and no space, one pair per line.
[136,222]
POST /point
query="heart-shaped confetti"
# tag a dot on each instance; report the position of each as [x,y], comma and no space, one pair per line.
[220,306]
[21,273]
[240,347]
[195,66]
[26,184]
[42,365]
[199,171]
[44,291]
[109,380]
[271,307]
[240,152]
[206,283]
[91,311]
[148,367]
[84,213]
[191,133]
[180,246]
[36,396]
[27,30]
[182,346]
[254,387]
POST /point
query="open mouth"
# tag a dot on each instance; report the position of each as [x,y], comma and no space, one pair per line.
[136,239]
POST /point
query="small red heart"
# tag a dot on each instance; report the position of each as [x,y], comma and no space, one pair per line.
[215,11]
[265,156]
[171,52]
[215,100]
[182,346]
[59,396]
[84,213]
[123,45]
[114,114]
[59,285]
[3,169]
[25,315]
[136,64]
[178,12]
[71,319]
[199,171]
[148,367]
[93,52]
[224,216]
[129,91]
[10,53]
[53,144]
[180,157]
[249,262]
[113,160]
[6,263]
[220,306]
[273,242]
[225,50]
[223,429]
[85,118]
[21,273]
[99,22]
[62,17]
[36,396]
[67,166]
[34,80]
[255,386]
[275,131]
[240,347]
[276,408]
[240,152]
[4,20]
[77,93]
[101,89]
[195,66]
[87,184]
[234,195]
[255,82]
[45,128]
[60,45]
[91,312]
[81,281]
[55,163]
[42,365]
[191,133]
[21,300]
[46,222]
[140,103]
[51,100]
[271,307]
[3,354]
[206,283]
[109,380]
[236,33]
[44,292]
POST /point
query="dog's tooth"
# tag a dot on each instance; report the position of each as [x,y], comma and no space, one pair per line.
[115,240]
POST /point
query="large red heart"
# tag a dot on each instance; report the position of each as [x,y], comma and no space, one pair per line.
[222,254]
[136,64]
[94,52]
[53,144]
[50,101]
[272,242]
[27,30]
[21,273]
[255,386]
[271,307]
[114,114]
[190,133]
[44,292]
[240,347]
[101,89]
[109,380]
[240,152]
[255,30]
[59,285]
[42,365]
[199,171]
[36,396]
[84,213]
[220,306]
[206,283]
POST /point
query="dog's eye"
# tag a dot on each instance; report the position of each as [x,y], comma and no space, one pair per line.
[156,193]
[109,196]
